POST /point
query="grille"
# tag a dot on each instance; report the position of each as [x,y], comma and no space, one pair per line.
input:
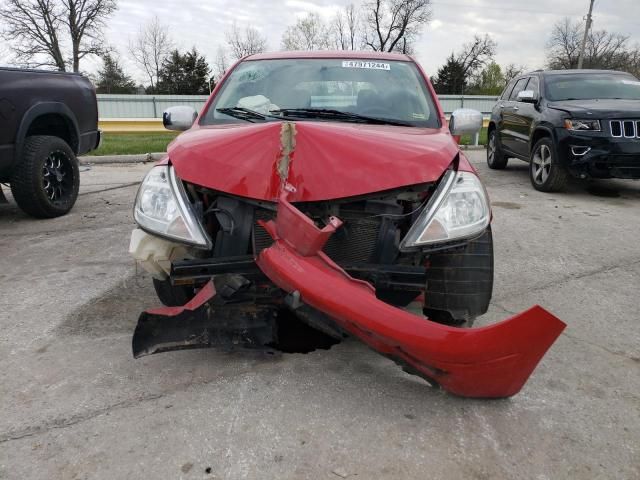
[625,128]
[355,242]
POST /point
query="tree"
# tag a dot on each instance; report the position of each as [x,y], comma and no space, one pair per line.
[489,81]
[112,79]
[308,33]
[393,25]
[511,71]
[603,49]
[184,74]
[150,49]
[344,29]
[476,54]
[247,42]
[450,79]
[220,65]
[40,31]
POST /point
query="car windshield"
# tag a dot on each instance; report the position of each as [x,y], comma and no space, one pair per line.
[325,89]
[591,86]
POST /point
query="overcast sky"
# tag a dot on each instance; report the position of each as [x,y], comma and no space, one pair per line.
[520,27]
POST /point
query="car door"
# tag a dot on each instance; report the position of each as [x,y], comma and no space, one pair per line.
[497,113]
[522,116]
[509,135]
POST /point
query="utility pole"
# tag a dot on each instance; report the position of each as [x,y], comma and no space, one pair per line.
[586,33]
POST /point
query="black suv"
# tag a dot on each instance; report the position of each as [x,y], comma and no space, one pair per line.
[584,123]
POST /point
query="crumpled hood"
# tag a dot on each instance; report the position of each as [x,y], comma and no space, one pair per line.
[600,109]
[328,160]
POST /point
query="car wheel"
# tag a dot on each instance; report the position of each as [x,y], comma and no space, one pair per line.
[46,180]
[173,295]
[544,170]
[496,159]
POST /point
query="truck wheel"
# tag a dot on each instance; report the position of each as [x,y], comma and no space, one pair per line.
[46,180]
[545,172]
[496,158]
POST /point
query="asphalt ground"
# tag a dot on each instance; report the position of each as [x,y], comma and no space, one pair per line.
[74,404]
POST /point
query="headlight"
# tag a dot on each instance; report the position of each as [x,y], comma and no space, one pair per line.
[162,208]
[459,209]
[582,125]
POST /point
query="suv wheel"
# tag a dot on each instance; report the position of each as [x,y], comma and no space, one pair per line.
[496,159]
[46,180]
[544,171]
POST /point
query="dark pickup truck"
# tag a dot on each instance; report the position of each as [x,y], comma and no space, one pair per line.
[46,119]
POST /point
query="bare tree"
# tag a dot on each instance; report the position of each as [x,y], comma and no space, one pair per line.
[247,42]
[33,28]
[308,33]
[85,20]
[150,48]
[476,54]
[38,30]
[392,25]
[344,29]
[511,71]
[220,65]
[603,49]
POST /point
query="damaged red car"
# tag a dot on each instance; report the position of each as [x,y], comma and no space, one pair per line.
[328,187]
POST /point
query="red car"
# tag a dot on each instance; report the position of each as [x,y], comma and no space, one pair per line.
[329,185]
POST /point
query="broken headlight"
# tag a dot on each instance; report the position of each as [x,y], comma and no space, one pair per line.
[458,209]
[162,208]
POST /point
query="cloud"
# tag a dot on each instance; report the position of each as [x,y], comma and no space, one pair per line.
[521,27]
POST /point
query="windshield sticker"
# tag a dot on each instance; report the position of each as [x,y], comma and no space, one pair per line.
[367,65]
[630,82]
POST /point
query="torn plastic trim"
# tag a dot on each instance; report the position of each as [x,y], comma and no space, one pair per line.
[488,362]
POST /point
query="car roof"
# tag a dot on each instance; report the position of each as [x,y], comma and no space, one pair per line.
[573,72]
[347,54]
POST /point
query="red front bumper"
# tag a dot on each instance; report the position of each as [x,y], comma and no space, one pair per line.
[491,362]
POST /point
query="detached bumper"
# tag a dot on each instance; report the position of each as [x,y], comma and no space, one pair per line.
[491,362]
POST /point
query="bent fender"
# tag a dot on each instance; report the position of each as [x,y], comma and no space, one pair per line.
[488,362]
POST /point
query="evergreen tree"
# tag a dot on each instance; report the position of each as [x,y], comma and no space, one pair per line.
[184,74]
[450,79]
[112,79]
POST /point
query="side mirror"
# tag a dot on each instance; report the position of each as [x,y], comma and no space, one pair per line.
[179,118]
[465,121]
[527,96]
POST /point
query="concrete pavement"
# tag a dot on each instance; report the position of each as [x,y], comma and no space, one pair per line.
[75,404]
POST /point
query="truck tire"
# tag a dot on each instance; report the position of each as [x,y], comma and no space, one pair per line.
[46,180]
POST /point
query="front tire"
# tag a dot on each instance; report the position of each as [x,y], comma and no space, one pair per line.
[545,172]
[496,159]
[173,295]
[46,180]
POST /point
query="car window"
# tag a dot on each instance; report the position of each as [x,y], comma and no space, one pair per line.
[588,86]
[507,90]
[391,89]
[520,84]
[534,86]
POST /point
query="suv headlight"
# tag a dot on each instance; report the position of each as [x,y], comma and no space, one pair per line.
[582,125]
[458,209]
[162,208]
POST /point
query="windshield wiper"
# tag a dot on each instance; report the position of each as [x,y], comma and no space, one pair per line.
[244,113]
[329,114]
